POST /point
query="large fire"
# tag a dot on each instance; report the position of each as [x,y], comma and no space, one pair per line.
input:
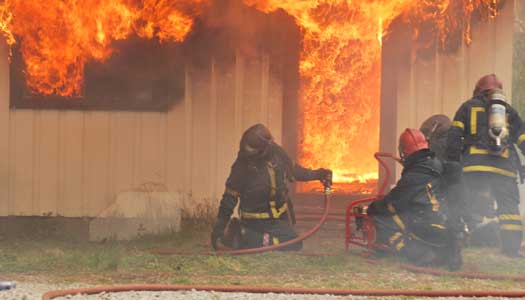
[340,65]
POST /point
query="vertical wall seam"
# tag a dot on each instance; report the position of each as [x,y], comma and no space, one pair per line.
[10,164]
[36,164]
[189,128]
[110,181]
[239,85]
[84,206]
[166,159]
[163,125]
[213,131]
[60,164]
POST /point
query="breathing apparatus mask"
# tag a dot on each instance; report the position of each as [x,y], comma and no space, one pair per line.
[497,122]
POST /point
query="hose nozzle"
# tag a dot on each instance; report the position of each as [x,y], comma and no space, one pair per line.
[327,187]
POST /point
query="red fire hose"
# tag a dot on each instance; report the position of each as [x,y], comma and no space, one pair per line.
[248,289]
[300,238]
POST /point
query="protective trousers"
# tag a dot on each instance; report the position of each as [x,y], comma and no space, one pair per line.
[260,233]
[427,246]
[484,189]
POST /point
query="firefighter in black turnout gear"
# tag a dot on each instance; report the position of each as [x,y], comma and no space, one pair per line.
[258,179]
[412,219]
[483,134]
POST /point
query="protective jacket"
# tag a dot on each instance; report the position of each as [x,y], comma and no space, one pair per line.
[260,185]
[469,138]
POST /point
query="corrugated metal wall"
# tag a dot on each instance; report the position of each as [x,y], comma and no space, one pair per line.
[75,163]
[413,91]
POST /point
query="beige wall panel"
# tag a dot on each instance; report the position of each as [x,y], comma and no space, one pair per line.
[264,91]
[406,106]
[23,145]
[96,162]
[188,136]
[481,53]
[228,140]
[503,47]
[251,113]
[425,92]
[71,150]
[239,93]
[4,130]
[405,102]
[213,148]
[150,158]
[452,83]
[200,181]
[12,160]
[437,84]
[46,174]
[123,136]
[176,149]
[163,149]
[36,162]
[274,105]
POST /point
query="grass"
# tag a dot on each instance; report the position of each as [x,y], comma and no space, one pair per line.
[114,262]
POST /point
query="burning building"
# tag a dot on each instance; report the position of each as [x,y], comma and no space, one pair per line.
[147,99]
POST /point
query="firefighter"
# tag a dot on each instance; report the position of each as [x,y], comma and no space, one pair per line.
[258,179]
[482,136]
[412,219]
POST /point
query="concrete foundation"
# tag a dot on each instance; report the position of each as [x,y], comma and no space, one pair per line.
[137,213]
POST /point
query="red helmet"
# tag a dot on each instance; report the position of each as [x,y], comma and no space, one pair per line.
[410,141]
[487,83]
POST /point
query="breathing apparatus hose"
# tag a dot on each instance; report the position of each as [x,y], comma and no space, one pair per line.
[326,193]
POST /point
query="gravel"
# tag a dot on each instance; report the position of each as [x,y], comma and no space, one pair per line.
[34,291]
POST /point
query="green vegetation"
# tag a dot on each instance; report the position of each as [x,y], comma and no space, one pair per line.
[113,262]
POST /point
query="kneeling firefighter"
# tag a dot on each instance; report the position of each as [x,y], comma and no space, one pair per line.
[412,218]
[258,179]
[483,134]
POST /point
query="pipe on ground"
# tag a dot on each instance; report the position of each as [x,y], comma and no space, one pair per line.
[249,289]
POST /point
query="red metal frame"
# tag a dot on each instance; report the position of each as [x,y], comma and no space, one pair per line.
[368,234]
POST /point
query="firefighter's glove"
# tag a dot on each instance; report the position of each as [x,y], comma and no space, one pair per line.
[325,175]
[218,232]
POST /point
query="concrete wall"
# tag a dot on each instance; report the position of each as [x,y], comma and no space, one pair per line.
[77,163]
[415,87]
